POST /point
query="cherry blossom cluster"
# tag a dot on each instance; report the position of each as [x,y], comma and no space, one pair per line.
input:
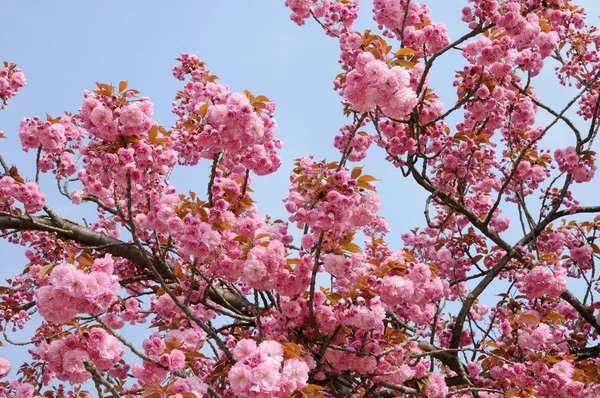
[71,291]
[372,83]
[5,367]
[198,239]
[263,265]
[44,249]
[469,162]
[162,216]
[346,270]
[109,169]
[569,238]
[539,337]
[172,360]
[108,116]
[451,258]
[527,178]
[216,234]
[52,135]
[65,357]
[19,389]
[213,120]
[396,140]
[28,193]
[329,200]
[170,313]
[21,295]
[260,370]
[541,282]
[354,313]
[56,139]
[167,354]
[125,148]
[436,387]
[359,313]
[359,143]
[336,17]
[412,25]
[558,379]
[11,80]
[581,168]
[524,25]
[582,255]
[413,295]
[131,312]
[301,9]
[490,79]
[552,381]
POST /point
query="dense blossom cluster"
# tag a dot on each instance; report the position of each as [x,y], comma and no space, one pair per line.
[540,282]
[66,357]
[140,156]
[70,291]
[28,193]
[11,80]
[581,168]
[261,370]
[214,120]
[373,84]
[346,207]
[411,22]
[56,139]
[413,295]
[336,16]
[106,118]
[167,354]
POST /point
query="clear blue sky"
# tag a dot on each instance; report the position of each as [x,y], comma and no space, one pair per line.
[64,47]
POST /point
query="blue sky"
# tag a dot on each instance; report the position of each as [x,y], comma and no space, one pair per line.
[64,47]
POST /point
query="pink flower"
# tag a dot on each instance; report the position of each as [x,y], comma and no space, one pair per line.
[54,305]
[563,370]
[239,378]
[297,371]
[244,349]
[272,351]
[24,390]
[176,361]
[131,116]
[437,386]
[154,345]
[72,291]
[110,352]
[540,282]
[66,277]
[104,264]
[265,377]
[537,339]
[582,255]
[73,360]
[5,367]
[291,309]
[101,116]
[396,290]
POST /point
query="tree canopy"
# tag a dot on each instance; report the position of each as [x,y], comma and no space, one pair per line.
[323,303]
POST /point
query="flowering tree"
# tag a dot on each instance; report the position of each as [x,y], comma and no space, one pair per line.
[236,308]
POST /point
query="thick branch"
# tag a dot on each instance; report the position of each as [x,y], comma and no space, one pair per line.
[116,247]
[587,353]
